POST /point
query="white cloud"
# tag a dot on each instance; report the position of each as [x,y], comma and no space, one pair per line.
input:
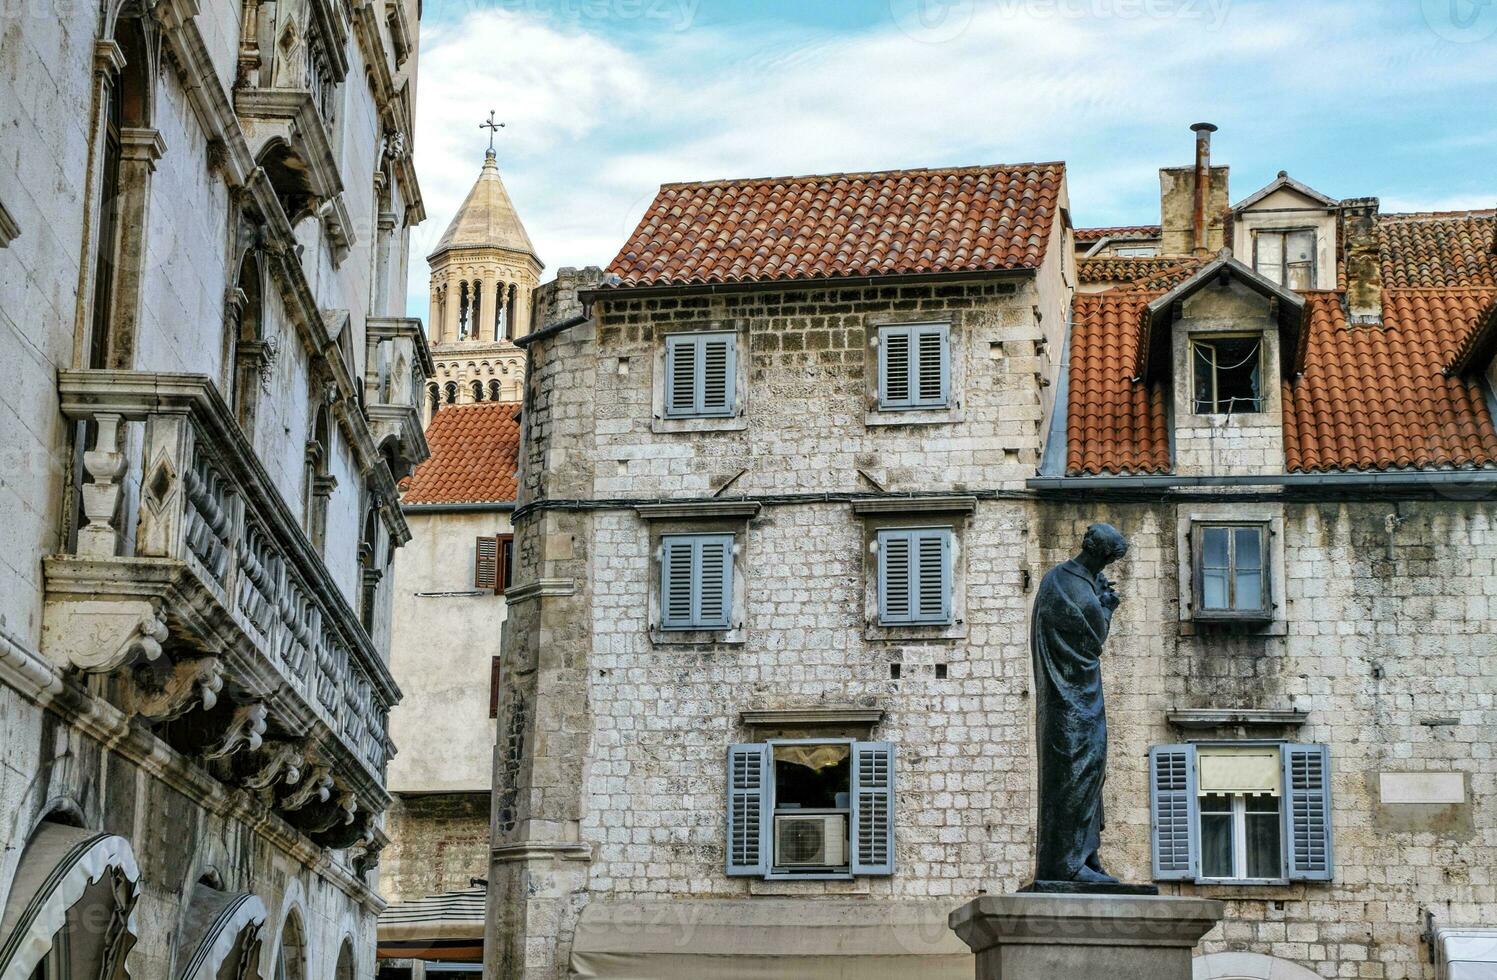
[599,123]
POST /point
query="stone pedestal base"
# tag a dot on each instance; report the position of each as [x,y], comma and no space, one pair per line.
[1084,937]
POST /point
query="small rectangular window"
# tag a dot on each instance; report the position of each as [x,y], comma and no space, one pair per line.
[1228,375]
[701,375]
[914,366]
[506,562]
[914,576]
[1231,573]
[1286,257]
[1136,251]
[696,581]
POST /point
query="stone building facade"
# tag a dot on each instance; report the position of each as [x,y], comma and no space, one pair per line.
[785,494]
[213,393]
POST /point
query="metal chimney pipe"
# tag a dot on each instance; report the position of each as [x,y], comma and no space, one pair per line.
[1198,225]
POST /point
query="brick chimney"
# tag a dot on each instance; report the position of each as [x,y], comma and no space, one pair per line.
[1193,201]
[1364,263]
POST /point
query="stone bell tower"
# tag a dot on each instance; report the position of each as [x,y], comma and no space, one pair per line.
[483,272]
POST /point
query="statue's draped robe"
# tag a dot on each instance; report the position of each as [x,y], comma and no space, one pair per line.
[1068,629]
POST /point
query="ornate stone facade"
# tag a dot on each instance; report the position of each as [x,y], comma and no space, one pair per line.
[214,393]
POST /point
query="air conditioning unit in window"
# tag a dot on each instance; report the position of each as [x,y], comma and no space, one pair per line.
[811,841]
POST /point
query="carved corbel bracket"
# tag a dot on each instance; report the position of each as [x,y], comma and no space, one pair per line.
[283,761]
[246,731]
[190,683]
[103,635]
[318,786]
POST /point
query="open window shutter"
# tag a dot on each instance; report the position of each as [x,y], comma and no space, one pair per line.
[931,366]
[493,687]
[1307,811]
[505,575]
[894,578]
[714,576]
[680,375]
[1172,799]
[872,808]
[717,374]
[894,368]
[933,576]
[676,576]
[486,563]
[748,809]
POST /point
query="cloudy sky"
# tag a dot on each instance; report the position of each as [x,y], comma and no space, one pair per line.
[604,100]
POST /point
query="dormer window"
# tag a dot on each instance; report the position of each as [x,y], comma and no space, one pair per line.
[1285,257]
[1228,374]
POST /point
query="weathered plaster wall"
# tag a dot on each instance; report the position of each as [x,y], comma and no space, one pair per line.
[439,842]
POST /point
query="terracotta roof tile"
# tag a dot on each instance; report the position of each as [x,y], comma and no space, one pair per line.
[1431,250]
[899,222]
[475,453]
[1163,272]
[1092,235]
[1369,397]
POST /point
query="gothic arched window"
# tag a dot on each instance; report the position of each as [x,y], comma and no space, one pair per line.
[495,391]
[291,960]
[478,391]
[319,478]
[434,395]
[452,392]
[245,343]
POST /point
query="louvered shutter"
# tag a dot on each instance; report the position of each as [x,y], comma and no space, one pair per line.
[677,568]
[748,809]
[1307,812]
[931,366]
[895,549]
[872,808]
[717,374]
[932,592]
[680,375]
[486,563]
[894,368]
[1172,800]
[714,578]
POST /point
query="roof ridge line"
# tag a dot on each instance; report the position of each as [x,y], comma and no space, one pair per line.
[860,174]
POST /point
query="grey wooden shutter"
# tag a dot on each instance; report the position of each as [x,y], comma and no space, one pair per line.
[748,809]
[1307,812]
[486,563]
[1173,803]
[714,581]
[932,593]
[677,568]
[872,808]
[895,550]
[680,375]
[717,374]
[894,359]
[932,366]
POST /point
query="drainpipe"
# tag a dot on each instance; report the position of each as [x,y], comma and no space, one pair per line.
[1203,133]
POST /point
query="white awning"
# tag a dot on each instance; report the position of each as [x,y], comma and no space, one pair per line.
[220,925]
[768,938]
[1251,771]
[59,866]
[1467,954]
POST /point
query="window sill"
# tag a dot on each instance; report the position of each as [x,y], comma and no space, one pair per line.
[881,417]
[915,631]
[1197,626]
[703,423]
[1217,418]
[727,637]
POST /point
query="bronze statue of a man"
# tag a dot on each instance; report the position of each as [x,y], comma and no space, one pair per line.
[1072,615]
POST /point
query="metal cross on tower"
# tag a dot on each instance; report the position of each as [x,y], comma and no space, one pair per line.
[492,127]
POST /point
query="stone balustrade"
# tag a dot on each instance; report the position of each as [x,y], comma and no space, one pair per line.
[192,581]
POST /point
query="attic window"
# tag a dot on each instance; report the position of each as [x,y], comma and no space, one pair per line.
[1228,375]
[1136,251]
[1286,257]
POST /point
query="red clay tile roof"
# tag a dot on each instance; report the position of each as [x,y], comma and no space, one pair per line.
[1449,249]
[1369,397]
[1378,398]
[1113,425]
[475,454]
[1093,235]
[899,222]
[1132,269]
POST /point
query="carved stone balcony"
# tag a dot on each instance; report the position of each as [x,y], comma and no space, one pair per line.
[196,591]
[399,362]
[278,120]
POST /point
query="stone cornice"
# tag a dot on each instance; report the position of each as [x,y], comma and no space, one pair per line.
[391,327]
[39,682]
[1235,717]
[954,503]
[295,108]
[849,716]
[542,851]
[699,510]
[517,594]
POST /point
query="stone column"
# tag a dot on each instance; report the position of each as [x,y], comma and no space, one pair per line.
[452,300]
[493,303]
[140,148]
[1120,937]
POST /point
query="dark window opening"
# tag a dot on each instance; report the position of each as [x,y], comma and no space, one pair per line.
[1228,375]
